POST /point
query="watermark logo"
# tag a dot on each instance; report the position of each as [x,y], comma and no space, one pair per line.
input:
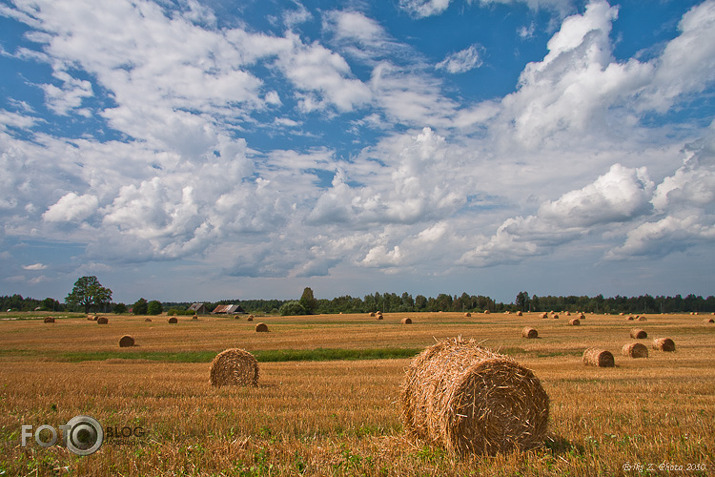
[82,435]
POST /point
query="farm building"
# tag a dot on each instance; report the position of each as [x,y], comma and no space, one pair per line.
[198,308]
[227,309]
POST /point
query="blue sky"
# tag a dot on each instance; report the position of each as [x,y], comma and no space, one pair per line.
[199,150]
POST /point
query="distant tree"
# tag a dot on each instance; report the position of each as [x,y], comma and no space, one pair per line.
[292,308]
[88,291]
[308,301]
[119,308]
[50,304]
[154,308]
[140,307]
[522,301]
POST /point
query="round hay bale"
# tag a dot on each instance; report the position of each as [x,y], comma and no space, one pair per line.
[148,320]
[530,333]
[709,320]
[372,314]
[379,317]
[95,317]
[581,316]
[126,341]
[568,313]
[486,312]
[195,317]
[642,318]
[630,318]
[507,312]
[599,358]
[664,344]
[90,318]
[49,319]
[519,313]
[250,318]
[102,320]
[234,367]
[261,328]
[638,334]
[406,321]
[236,317]
[621,313]
[555,317]
[544,315]
[635,350]
[467,315]
[471,400]
[574,322]
[173,320]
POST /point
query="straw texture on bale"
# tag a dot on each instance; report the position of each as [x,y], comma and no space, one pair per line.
[126,341]
[664,344]
[556,317]
[530,333]
[486,312]
[467,315]
[250,318]
[173,320]
[638,334]
[544,315]
[95,317]
[635,350]
[642,318]
[379,317]
[598,357]
[372,314]
[630,318]
[261,328]
[581,316]
[519,313]
[574,322]
[49,319]
[102,320]
[234,367]
[406,321]
[471,400]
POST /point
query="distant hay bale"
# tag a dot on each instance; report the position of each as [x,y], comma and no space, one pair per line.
[467,315]
[372,314]
[148,320]
[568,313]
[486,312]
[49,319]
[261,328]
[544,315]
[519,313]
[126,341]
[95,317]
[581,316]
[379,317]
[529,333]
[507,312]
[555,317]
[173,320]
[234,367]
[635,350]
[621,313]
[574,322]
[406,321]
[237,317]
[90,318]
[600,358]
[642,318]
[471,400]
[664,344]
[102,320]
[630,318]
[638,334]
[195,317]
[250,318]
[709,320]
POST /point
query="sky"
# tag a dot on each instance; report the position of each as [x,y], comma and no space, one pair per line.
[187,150]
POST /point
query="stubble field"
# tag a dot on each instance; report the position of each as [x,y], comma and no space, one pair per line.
[313,414]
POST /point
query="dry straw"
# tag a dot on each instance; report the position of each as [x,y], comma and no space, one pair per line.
[530,333]
[574,322]
[234,367]
[709,320]
[642,318]
[473,401]
[556,317]
[544,315]
[519,313]
[379,317]
[126,341]
[486,312]
[467,315]
[664,344]
[372,314]
[195,317]
[49,319]
[581,316]
[148,320]
[250,318]
[599,358]
[261,328]
[102,320]
[630,318]
[173,320]
[638,334]
[406,321]
[635,350]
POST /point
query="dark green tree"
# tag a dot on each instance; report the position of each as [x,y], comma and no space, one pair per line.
[119,308]
[88,291]
[522,301]
[292,308]
[308,301]
[154,308]
[140,307]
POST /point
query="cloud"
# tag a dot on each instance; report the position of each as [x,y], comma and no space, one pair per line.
[461,61]
[424,8]
[35,267]
[72,208]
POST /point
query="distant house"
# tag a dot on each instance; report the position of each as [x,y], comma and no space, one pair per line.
[198,308]
[226,309]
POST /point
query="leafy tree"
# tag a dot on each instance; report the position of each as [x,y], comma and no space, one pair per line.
[119,308]
[308,301]
[88,291]
[292,308]
[154,308]
[522,301]
[140,307]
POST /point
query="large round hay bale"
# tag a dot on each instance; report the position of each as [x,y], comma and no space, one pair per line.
[664,344]
[709,320]
[574,322]
[95,317]
[102,320]
[638,334]
[581,316]
[555,317]
[90,318]
[173,320]
[195,317]
[261,328]
[467,315]
[126,341]
[486,312]
[642,318]
[148,320]
[568,313]
[234,367]
[406,321]
[379,317]
[530,333]
[519,313]
[471,400]
[49,319]
[250,318]
[598,357]
[630,318]
[372,314]
[635,350]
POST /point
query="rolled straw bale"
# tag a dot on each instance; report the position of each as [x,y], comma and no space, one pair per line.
[406,321]
[148,320]
[195,317]
[90,318]
[574,322]
[709,320]
[234,367]
[379,317]
[664,344]
[102,320]
[236,317]
[261,328]
[486,312]
[641,318]
[630,318]
[126,341]
[250,318]
[638,334]
[530,333]
[581,316]
[372,314]
[544,315]
[599,358]
[568,313]
[467,315]
[471,400]
[49,319]
[519,313]
[173,320]
[635,350]
[95,317]
[555,317]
